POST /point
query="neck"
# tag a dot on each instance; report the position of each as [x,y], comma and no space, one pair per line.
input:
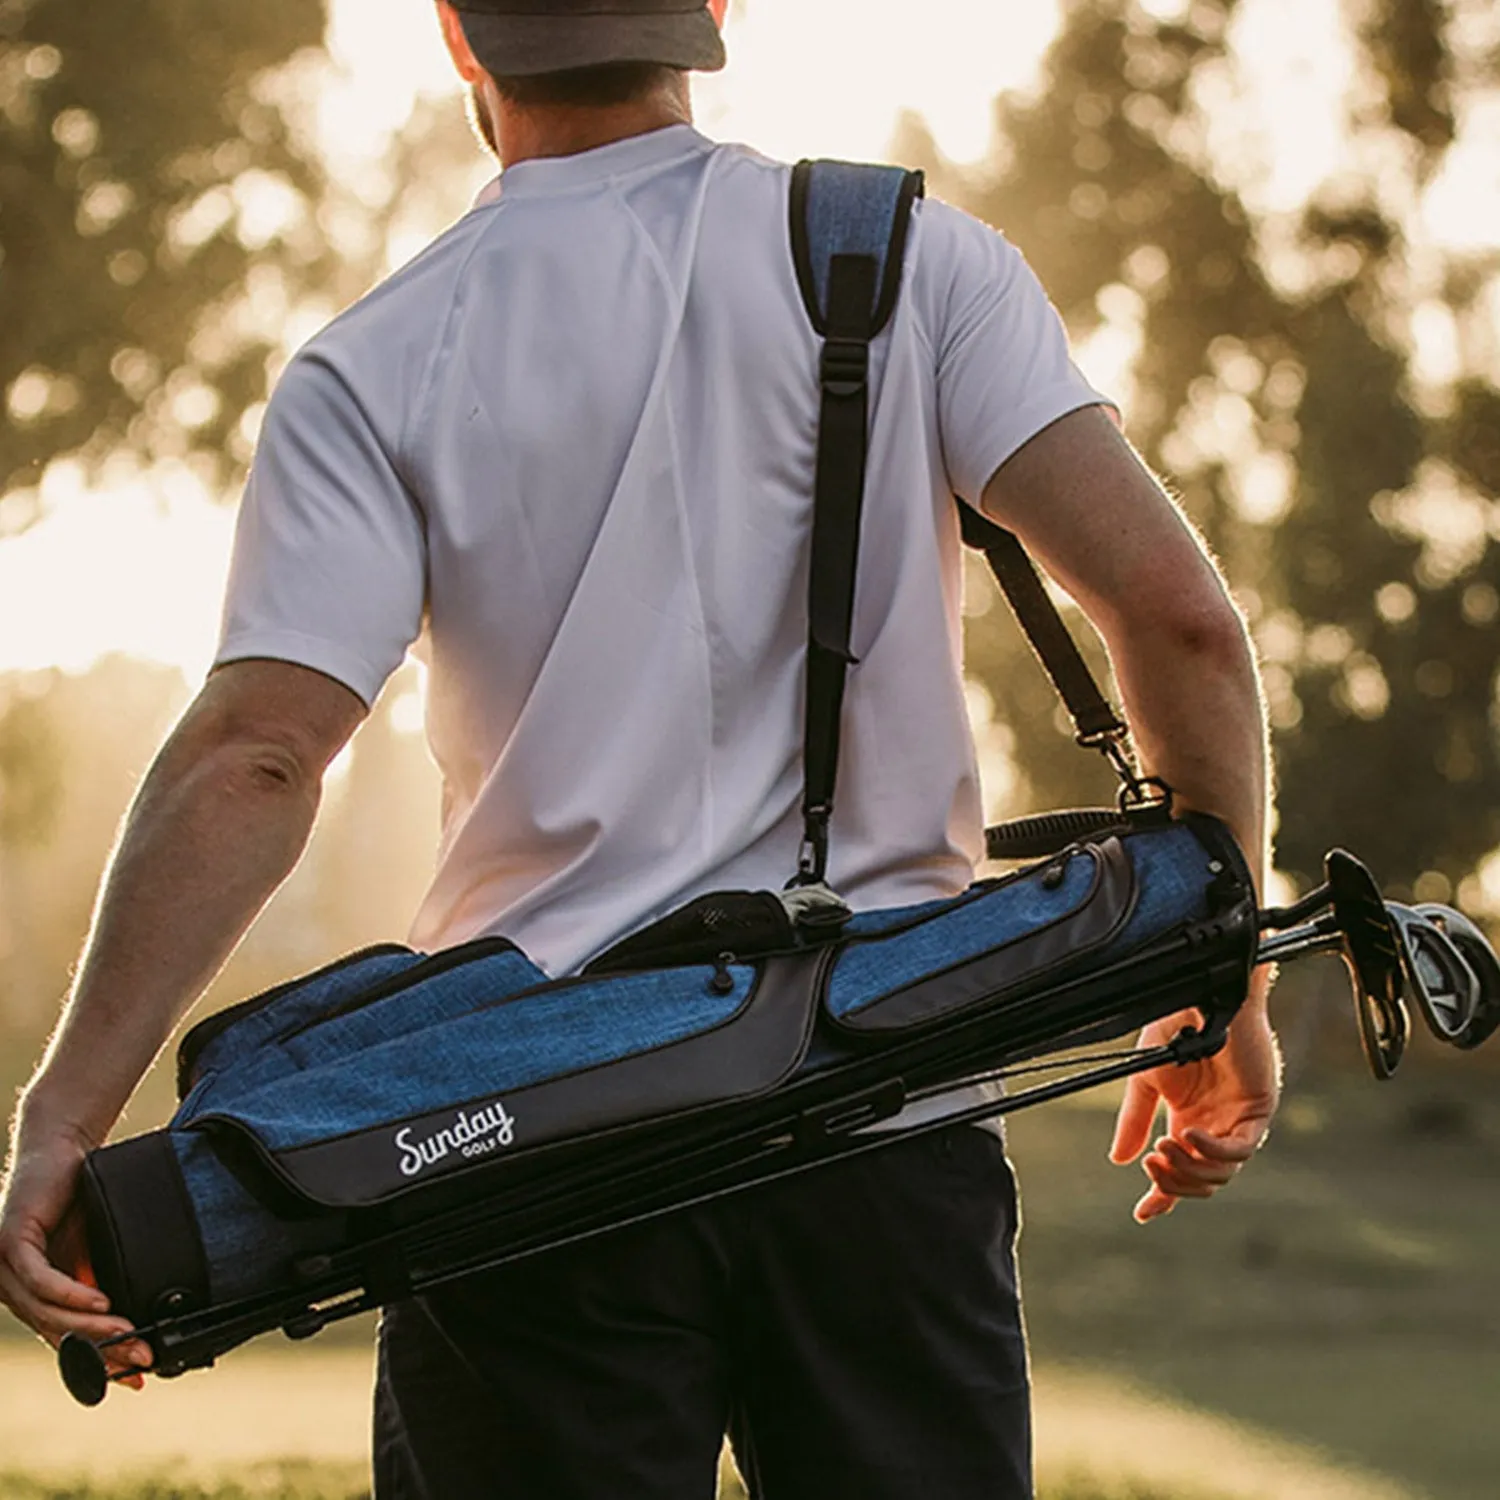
[529,132]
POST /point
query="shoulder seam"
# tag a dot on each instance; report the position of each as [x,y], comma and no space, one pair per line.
[425,384]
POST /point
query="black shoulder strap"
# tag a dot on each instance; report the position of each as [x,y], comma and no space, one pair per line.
[1093,717]
[848,229]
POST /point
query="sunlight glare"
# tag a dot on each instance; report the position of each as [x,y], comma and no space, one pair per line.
[141,571]
[808,79]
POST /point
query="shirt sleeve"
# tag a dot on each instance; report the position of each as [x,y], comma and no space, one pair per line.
[1003,368]
[329,561]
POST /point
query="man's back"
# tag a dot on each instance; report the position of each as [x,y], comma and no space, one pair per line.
[579,432]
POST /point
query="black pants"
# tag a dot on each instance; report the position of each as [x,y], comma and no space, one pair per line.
[856,1331]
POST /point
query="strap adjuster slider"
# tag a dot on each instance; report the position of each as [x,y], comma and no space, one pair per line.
[844,369]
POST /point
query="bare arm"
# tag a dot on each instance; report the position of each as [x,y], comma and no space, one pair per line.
[1101,525]
[219,823]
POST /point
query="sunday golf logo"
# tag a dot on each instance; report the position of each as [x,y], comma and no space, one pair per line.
[473,1133]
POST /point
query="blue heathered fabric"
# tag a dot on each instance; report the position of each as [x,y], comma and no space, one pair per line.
[1171,871]
[872,923]
[247,1247]
[441,998]
[493,1051]
[850,210]
[299,1003]
[876,967]
[1172,879]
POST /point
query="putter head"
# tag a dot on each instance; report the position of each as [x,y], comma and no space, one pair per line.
[1373,953]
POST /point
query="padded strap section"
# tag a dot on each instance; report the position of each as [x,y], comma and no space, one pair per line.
[848,208]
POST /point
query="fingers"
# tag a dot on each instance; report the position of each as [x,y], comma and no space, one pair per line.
[1198,1166]
[48,1301]
[1137,1116]
[39,1278]
[1153,1206]
[1238,1146]
[1185,1168]
[128,1362]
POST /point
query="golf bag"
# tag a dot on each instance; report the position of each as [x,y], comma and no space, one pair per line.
[397,1120]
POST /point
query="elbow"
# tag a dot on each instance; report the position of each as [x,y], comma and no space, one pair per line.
[273,769]
[243,762]
[1196,626]
[258,773]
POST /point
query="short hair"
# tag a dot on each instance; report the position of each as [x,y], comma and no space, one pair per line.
[599,87]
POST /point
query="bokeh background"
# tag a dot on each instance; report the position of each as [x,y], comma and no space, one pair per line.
[1273,227]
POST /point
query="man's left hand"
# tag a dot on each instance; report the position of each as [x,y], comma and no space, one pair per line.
[45,1278]
[1219,1111]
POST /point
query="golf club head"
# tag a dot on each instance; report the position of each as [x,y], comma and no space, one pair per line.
[1439,978]
[1479,954]
[1373,953]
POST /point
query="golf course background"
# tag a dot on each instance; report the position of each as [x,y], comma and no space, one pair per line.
[1327,1331]
[1273,227]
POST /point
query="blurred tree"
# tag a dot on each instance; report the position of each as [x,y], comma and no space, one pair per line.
[157,219]
[30,770]
[1349,496]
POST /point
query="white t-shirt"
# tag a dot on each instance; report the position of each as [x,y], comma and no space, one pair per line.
[571,447]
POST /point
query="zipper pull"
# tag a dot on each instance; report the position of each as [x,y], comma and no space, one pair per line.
[723,981]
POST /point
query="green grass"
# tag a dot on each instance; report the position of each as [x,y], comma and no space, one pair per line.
[284,1481]
[309,1482]
[1342,1294]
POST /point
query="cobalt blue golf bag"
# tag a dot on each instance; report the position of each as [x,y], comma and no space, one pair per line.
[398,1120]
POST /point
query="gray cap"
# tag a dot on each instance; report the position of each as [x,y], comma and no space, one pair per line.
[520,38]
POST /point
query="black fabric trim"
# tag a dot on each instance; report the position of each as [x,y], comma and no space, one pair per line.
[142,1231]
[720,925]
[751,1053]
[210,1028]
[1023,961]
[801,248]
[913,188]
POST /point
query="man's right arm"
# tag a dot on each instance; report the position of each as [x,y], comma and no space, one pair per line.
[1096,519]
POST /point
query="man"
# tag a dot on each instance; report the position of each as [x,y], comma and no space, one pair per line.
[571,446]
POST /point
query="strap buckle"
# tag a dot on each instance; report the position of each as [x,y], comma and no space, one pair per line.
[844,369]
[1137,793]
[812,857]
